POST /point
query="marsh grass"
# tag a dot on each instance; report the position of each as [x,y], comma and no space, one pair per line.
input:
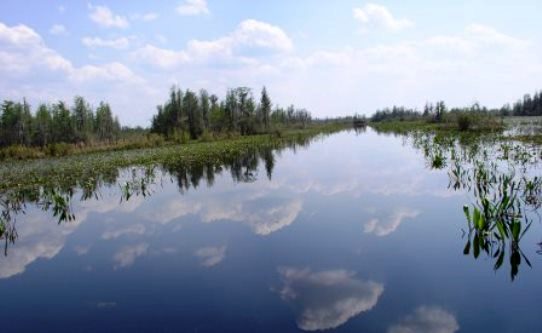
[452,123]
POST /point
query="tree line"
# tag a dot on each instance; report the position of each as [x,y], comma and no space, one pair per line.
[191,114]
[431,111]
[528,106]
[56,123]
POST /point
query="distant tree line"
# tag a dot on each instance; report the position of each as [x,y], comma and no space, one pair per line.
[528,106]
[56,123]
[191,114]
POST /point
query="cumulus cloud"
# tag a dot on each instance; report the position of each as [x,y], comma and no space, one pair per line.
[116,43]
[384,228]
[327,299]
[193,8]
[211,256]
[24,52]
[109,72]
[127,255]
[58,29]
[249,35]
[22,49]
[103,16]
[160,57]
[380,17]
[261,34]
[426,319]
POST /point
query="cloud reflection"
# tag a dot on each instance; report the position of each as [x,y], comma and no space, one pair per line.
[427,319]
[136,229]
[384,228]
[127,255]
[211,256]
[327,299]
[262,221]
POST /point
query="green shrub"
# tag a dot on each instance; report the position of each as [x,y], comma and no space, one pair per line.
[19,152]
[59,149]
[206,136]
[464,122]
[155,139]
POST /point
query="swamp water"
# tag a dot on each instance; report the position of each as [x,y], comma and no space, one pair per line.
[352,232]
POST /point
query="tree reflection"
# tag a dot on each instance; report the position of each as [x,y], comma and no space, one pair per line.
[56,197]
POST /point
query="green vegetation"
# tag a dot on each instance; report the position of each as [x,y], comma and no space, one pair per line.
[57,130]
[438,117]
[497,172]
[78,169]
[56,123]
[187,115]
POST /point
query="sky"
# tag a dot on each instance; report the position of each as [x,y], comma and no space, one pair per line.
[331,57]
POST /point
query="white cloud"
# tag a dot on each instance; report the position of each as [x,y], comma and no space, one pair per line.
[379,16]
[249,35]
[107,72]
[162,58]
[427,320]
[263,35]
[485,34]
[211,256]
[127,255]
[61,9]
[58,29]
[104,17]
[327,299]
[193,8]
[22,49]
[379,228]
[117,43]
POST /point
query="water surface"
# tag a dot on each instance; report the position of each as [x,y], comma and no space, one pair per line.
[356,232]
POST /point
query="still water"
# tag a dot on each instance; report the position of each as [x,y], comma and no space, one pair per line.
[355,232]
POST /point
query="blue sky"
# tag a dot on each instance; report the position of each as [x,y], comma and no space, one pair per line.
[331,57]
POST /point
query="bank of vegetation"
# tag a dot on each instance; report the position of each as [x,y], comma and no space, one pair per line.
[90,170]
[58,129]
[437,116]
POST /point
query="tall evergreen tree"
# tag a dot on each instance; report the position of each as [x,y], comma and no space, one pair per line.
[265,107]
[43,126]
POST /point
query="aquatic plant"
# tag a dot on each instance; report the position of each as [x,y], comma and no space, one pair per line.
[499,174]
